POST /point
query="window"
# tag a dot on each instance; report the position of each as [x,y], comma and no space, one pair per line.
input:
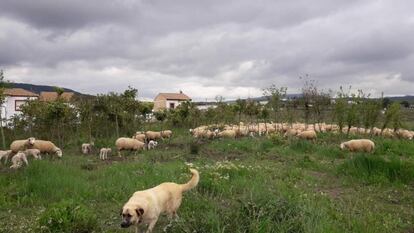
[172,105]
[18,104]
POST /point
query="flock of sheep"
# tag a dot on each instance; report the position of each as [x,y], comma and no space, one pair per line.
[299,130]
[20,150]
[140,141]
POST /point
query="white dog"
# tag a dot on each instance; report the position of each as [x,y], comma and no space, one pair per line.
[146,206]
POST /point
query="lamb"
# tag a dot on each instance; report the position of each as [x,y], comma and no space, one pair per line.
[18,160]
[103,155]
[139,136]
[152,135]
[128,144]
[166,134]
[21,145]
[5,154]
[364,145]
[308,134]
[33,152]
[47,147]
[152,144]
[87,148]
[227,134]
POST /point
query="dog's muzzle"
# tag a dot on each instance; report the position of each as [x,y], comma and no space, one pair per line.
[125,224]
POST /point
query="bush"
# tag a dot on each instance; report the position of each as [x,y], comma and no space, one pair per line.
[67,216]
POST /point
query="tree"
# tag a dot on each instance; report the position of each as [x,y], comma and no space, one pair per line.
[341,102]
[386,102]
[392,115]
[3,85]
[405,104]
[274,97]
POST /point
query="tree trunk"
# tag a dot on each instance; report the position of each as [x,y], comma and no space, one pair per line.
[116,126]
[3,139]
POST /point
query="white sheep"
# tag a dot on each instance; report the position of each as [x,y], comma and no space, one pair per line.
[103,155]
[139,136]
[18,160]
[166,133]
[152,144]
[227,134]
[87,148]
[364,145]
[153,135]
[21,145]
[128,144]
[47,147]
[33,152]
[308,134]
[5,154]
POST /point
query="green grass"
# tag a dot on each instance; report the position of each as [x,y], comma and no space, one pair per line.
[247,185]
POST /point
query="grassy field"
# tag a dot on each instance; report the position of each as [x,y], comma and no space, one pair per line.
[247,185]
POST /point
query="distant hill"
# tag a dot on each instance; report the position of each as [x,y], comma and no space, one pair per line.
[39,88]
[409,98]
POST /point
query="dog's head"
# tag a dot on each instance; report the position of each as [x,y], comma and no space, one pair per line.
[131,216]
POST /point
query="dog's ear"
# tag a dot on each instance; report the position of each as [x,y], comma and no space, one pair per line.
[120,213]
[140,212]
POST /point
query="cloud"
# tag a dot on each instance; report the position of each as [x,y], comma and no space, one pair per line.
[228,48]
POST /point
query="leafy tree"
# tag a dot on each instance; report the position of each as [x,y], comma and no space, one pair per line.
[3,85]
[386,102]
[405,104]
[274,97]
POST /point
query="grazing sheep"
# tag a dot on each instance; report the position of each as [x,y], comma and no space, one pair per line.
[128,144]
[364,145]
[152,135]
[5,154]
[166,134]
[87,148]
[139,136]
[152,144]
[404,134]
[18,160]
[33,152]
[227,134]
[291,132]
[308,134]
[21,145]
[47,147]
[103,154]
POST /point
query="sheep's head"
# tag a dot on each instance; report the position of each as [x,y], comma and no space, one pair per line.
[342,146]
[59,152]
[31,141]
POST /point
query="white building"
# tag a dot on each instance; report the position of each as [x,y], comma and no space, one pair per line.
[15,97]
[169,100]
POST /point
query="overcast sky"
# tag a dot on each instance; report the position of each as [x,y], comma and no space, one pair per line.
[209,48]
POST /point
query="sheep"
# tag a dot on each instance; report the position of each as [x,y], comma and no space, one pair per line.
[87,148]
[128,144]
[33,152]
[152,144]
[404,134]
[139,136]
[308,134]
[364,145]
[227,134]
[18,160]
[5,154]
[103,155]
[47,147]
[152,135]
[291,132]
[166,134]
[20,145]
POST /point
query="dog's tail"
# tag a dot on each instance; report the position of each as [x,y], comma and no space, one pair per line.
[193,182]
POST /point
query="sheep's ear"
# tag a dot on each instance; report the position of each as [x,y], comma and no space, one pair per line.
[140,212]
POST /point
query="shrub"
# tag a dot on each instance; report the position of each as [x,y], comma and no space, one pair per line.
[67,216]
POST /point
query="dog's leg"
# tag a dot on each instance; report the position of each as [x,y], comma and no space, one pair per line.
[152,225]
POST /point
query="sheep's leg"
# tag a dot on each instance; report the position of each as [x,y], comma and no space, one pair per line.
[25,161]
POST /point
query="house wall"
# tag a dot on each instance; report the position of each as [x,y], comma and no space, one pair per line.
[175,102]
[9,106]
[159,105]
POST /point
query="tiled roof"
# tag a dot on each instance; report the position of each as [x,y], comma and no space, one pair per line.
[19,92]
[174,96]
[52,96]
